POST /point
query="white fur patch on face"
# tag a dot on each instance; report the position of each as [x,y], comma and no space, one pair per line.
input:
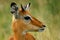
[27,15]
[13,18]
[27,21]
[24,32]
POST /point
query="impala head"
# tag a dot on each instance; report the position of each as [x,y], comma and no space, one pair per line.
[22,14]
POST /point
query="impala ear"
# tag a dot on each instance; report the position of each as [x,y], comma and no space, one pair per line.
[26,7]
[14,7]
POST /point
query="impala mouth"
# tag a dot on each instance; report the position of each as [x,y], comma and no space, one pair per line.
[41,29]
[37,30]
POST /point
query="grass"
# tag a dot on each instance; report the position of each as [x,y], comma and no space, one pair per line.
[47,11]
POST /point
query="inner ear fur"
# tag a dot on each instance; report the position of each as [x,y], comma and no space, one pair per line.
[14,7]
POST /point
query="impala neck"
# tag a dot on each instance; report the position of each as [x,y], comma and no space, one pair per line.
[18,36]
[18,31]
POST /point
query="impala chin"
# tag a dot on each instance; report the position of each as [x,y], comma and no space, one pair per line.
[41,29]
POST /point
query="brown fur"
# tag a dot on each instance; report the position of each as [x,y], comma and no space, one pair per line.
[18,27]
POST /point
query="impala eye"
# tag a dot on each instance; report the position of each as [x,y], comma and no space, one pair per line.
[27,18]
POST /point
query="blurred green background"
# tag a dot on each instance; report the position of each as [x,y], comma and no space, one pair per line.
[47,11]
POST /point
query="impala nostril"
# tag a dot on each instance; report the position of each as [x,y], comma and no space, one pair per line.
[44,26]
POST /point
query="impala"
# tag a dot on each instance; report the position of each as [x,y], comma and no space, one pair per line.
[23,22]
